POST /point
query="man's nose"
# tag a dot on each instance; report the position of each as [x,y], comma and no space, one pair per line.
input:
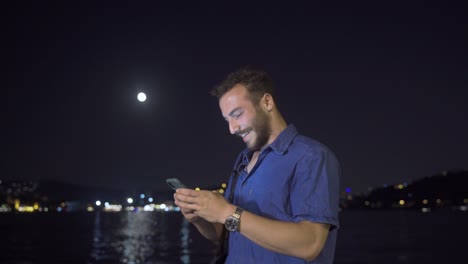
[233,126]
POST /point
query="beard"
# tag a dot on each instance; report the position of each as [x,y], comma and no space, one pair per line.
[261,127]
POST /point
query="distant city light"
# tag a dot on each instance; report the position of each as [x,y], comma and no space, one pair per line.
[425,210]
[129,200]
[4,209]
[113,208]
[27,209]
[425,201]
[197,189]
[224,185]
[106,204]
[150,200]
[98,203]
[402,202]
[148,208]
[141,97]
[162,206]
[348,190]
[142,196]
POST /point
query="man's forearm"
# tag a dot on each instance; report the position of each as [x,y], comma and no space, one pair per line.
[304,240]
[211,231]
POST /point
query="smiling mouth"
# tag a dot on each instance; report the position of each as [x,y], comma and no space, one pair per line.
[244,133]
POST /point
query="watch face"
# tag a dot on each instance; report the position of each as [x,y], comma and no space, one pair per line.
[231,223]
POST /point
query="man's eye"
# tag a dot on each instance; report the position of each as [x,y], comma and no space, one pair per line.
[237,115]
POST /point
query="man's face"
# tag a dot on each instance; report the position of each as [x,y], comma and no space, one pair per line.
[246,119]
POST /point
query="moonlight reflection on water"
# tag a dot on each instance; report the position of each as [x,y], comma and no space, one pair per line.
[141,237]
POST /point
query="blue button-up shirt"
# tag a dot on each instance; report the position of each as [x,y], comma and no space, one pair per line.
[295,179]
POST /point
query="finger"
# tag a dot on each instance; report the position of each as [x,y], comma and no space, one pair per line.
[186,198]
[186,206]
[188,192]
[188,213]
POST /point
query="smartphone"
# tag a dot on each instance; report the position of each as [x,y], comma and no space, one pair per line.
[175,183]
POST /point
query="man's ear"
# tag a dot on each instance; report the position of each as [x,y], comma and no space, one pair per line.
[267,102]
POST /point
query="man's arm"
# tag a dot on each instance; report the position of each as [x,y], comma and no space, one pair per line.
[303,239]
[211,231]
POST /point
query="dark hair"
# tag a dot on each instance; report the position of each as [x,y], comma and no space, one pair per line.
[257,83]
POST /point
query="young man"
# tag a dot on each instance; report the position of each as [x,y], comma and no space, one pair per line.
[285,202]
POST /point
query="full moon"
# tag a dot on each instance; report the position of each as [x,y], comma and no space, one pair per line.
[141,97]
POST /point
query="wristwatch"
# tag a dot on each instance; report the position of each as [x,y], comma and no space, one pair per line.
[232,223]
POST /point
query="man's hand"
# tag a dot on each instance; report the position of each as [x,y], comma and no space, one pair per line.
[189,215]
[208,205]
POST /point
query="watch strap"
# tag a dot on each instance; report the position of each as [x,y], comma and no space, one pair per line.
[237,214]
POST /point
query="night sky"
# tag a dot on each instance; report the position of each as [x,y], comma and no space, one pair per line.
[383,85]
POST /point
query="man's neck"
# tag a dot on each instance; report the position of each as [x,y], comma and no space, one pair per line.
[278,125]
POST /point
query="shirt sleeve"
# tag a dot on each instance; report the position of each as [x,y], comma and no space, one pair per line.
[315,188]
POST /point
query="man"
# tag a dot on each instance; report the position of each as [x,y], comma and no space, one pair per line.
[285,202]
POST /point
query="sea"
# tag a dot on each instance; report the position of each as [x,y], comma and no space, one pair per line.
[384,237]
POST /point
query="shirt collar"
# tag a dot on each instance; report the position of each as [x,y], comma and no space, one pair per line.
[281,143]
[284,139]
